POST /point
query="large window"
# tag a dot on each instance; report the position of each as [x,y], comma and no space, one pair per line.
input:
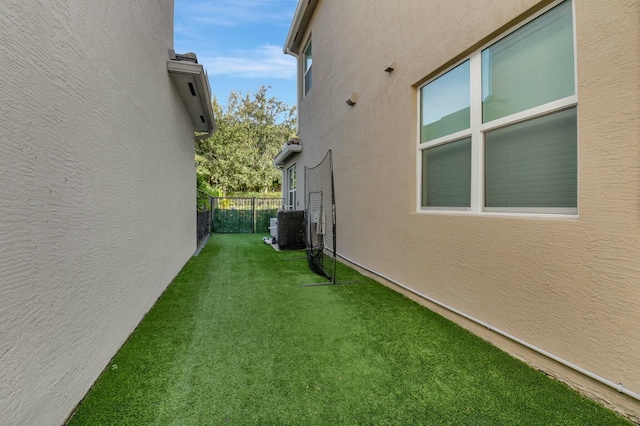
[291,184]
[498,131]
[308,61]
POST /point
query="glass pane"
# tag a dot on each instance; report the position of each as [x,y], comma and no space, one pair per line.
[307,81]
[533,163]
[292,177]
[446,175]
[532,66]
[307,57]
[445,104]
[308,62]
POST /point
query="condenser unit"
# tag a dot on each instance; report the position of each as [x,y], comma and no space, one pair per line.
[290,231]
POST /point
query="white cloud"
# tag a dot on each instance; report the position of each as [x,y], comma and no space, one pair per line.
[267,61]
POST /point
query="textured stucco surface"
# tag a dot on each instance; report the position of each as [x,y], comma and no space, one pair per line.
[97,200]
[568,286]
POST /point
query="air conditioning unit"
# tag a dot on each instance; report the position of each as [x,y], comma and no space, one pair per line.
[290,230]
[273,227]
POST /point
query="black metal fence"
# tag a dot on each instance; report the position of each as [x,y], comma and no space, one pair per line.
[203,217]
[243,215]
[204,225]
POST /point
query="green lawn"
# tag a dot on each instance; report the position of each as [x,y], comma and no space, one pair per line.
[235,340]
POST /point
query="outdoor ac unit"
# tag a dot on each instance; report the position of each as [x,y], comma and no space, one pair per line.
[290,234]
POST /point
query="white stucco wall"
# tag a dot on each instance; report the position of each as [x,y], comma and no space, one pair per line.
[97,192]
[568,286]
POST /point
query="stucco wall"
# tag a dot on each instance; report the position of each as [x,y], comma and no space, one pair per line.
[97,192]
[568,286]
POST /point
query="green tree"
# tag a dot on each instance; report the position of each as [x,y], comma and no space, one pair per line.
[250,132]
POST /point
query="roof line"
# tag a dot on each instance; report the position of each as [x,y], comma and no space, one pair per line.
[303,10]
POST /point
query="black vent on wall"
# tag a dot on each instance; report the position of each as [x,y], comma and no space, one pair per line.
[291,230]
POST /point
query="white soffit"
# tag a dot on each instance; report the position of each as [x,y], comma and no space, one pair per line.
[287,151]
[193,85]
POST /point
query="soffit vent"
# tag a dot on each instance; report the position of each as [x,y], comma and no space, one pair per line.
[192,83]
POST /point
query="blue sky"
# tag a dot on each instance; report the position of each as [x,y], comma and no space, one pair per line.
[240,44]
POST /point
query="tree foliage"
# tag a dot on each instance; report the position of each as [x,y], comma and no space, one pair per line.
[251,129]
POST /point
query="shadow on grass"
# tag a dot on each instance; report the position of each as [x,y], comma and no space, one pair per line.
[236,340]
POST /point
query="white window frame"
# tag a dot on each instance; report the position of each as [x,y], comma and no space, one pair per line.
[478,129]
[306,70]
[291,192]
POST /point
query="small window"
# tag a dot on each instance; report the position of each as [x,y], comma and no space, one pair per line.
[308,61]
[291,184]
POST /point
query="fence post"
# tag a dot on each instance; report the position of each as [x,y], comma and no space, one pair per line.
[211,213]
[214,204]
[253,215]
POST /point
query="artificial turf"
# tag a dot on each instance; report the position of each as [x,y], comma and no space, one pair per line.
[235,340]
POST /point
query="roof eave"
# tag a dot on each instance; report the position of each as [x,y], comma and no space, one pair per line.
[192,82]
[301,18]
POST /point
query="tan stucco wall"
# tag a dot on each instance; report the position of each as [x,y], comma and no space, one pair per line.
[568,286]
[97,194]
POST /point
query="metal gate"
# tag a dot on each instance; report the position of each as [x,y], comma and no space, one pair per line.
[238,215]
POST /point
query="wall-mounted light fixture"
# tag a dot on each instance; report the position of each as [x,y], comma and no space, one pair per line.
[352,99]
[390,67]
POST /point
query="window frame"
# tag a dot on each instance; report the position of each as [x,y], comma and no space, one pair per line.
[307,70]
[291,192]
[478,129]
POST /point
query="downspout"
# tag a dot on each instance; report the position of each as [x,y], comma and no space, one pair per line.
[617,386]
